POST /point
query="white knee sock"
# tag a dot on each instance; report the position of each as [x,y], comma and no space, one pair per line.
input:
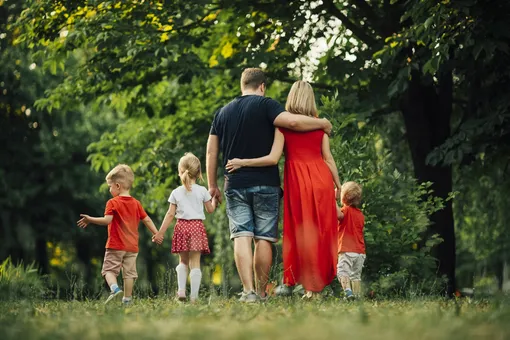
[182,275]
[195,277]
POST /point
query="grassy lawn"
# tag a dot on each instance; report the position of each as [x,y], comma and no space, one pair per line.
[277,319]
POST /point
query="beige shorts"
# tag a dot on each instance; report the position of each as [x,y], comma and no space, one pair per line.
[114,260]
[350,265]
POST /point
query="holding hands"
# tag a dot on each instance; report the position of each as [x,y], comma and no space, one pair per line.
[338,194]
[158,238]
[216,195]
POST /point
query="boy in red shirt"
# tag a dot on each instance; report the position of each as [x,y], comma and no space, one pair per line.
[351,244]
[122,216]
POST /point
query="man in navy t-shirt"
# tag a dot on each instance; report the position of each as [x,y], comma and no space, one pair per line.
[244,128]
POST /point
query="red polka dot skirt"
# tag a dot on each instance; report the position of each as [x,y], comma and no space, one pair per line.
[190,235]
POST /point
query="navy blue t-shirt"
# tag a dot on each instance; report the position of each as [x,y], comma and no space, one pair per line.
[245,130]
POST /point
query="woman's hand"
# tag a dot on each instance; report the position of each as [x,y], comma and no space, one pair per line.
[234,164]
[338,194]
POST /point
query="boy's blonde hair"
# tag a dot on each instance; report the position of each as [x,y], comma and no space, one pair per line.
[189,169]
[252,78]
[351,194]
[301,100]
[123,175]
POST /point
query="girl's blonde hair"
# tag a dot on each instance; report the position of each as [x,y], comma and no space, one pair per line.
[189,169]
[301,99]
[351,194]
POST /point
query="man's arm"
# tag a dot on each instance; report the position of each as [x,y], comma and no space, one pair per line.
[211,165]
[86,219]
[297,122]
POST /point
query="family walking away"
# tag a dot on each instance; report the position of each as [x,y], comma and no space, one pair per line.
[321,240]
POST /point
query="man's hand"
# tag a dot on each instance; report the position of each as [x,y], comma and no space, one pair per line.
[84,221]
[327,126]
[158,238]
[215,193]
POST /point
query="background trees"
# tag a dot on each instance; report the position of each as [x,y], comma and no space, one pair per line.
[421,86]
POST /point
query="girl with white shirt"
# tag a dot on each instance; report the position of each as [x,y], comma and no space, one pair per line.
[190,238]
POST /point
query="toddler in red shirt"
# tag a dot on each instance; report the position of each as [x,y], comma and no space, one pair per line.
[351,243]
[122,216]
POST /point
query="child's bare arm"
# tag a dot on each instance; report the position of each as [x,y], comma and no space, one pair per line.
[169,217]
[339,213]
[86,220]
[150,225]
[210,206]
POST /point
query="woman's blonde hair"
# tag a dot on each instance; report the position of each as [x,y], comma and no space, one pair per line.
[301,99]
[351,194]
[189,169]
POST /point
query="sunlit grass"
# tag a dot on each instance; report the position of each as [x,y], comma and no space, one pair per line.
[218,318]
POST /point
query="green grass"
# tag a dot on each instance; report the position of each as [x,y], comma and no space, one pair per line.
[278,319]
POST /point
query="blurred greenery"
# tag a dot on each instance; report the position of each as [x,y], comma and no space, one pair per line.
[417,91]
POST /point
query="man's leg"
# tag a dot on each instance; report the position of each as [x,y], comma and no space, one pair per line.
[266,209]
[243,255]
[240,218]
[262,265]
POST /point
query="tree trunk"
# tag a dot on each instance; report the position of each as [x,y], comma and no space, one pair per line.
[427,112]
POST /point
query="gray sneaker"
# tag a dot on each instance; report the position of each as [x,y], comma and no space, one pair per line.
[249,297]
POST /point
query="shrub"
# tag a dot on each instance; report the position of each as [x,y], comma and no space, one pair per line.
[19,281]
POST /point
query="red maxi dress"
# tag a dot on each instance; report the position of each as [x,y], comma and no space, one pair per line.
[310,233]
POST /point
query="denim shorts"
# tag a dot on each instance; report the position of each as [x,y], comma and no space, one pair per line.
[254,212]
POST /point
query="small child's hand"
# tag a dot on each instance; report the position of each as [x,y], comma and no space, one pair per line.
[83,221]
[215,202]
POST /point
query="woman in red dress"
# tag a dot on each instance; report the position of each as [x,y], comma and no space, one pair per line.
[310,225]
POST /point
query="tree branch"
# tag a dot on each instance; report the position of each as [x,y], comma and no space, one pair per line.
[330,6]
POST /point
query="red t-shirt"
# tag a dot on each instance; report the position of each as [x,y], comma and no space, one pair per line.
[350,231]
[123,230]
